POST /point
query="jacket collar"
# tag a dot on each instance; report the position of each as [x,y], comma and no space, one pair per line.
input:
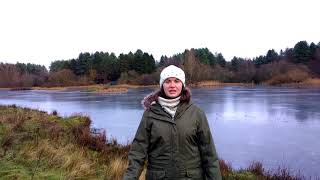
[150,102]
[159,113]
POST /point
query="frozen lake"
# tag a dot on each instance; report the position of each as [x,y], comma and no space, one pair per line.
[276,126]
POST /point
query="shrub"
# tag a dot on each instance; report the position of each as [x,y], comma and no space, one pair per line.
[281,72]
[146,79]
[128,77]
[222,74]
[292,76]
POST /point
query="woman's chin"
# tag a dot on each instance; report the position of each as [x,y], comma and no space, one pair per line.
[173,95]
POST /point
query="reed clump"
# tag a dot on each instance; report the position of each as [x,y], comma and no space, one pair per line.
[256,171]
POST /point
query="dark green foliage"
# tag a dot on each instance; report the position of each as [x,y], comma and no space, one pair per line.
[288,54]
[206,57]
[235,63]
[258,61]
[31,68]
[162,62]
[126,62]
[301,52]
[203,55]
[271,56]
[220,60]
[313,49]
[176,60]
[83,64]
[108,69]
[59,65]
[143,62]
[106,66]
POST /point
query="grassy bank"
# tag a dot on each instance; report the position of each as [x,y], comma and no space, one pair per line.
[38,145]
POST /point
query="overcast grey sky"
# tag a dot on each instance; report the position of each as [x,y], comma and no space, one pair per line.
[41,31]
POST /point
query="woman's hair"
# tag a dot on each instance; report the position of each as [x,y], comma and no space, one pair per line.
[185,94]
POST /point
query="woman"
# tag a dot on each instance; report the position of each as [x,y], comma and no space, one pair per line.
[173,136]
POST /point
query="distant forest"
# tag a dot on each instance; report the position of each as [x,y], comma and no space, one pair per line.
[292,65]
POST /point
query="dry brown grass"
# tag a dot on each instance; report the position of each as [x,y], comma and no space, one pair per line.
[225,168]
[143,174]
[208,83]
[113,90]
[214,84]
[95,88]
[116,169]
[311,82]
[71,159]
[89,88]
[49,88]
[121,88]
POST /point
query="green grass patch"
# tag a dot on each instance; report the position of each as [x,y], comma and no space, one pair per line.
[11,170]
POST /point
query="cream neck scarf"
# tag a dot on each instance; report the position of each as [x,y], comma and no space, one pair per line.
[169,105]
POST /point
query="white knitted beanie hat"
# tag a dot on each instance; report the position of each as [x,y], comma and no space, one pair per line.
[172,71]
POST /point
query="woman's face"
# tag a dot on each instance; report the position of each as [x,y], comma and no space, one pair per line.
[172,87]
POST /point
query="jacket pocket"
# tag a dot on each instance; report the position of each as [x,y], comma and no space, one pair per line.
[158,148]
[155,175]
[194,174]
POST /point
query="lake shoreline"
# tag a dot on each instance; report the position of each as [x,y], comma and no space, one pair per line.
[123,88]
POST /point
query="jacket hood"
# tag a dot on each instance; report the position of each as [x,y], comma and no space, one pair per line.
[152,98]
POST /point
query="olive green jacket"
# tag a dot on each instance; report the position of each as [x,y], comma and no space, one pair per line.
[174,148]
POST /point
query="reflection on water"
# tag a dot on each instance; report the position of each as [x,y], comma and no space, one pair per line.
[277,126]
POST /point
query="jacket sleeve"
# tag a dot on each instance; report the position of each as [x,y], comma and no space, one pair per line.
[138,152]
[209,158]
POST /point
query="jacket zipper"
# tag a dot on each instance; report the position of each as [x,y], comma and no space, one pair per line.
[172,142]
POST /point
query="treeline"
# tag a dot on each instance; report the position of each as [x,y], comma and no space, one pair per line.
[291,65]
[101,67]
[22,75]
